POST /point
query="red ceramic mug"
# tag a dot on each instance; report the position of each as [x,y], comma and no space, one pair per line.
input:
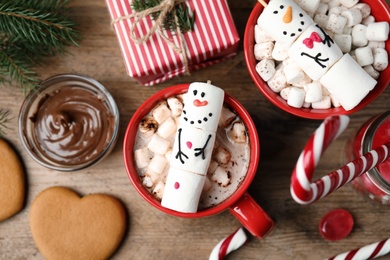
[240,204]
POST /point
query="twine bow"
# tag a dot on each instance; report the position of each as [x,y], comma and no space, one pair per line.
[165,7]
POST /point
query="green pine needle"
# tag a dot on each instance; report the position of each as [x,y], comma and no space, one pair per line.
[29,31]
[185,20]
[4,119]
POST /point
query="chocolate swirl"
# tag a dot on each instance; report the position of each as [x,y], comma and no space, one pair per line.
[72,126]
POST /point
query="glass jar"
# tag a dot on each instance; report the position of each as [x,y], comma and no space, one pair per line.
[374,184]
[69,123]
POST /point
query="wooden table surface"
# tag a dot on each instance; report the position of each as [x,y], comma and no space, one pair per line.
[152,234]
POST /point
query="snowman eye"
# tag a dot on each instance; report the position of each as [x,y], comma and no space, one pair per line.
[281,7]
[195,92]
[284,32]
[203,94]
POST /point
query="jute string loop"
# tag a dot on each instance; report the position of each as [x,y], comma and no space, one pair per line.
[165,7]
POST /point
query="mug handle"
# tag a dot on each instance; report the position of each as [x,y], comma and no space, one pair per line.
[252,216]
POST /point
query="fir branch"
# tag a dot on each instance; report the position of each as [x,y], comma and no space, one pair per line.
[4,114]
[29,31]
[185,20]
[50,28]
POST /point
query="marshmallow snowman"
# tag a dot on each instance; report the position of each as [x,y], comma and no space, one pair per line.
[315,52]
[193,147]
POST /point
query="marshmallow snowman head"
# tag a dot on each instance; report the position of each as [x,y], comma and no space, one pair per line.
[202,106]
[284,21]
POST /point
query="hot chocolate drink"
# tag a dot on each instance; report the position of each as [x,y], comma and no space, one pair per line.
[155,139]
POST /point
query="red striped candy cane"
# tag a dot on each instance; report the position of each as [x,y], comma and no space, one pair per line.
[303,190]
[371,251]
[228,244]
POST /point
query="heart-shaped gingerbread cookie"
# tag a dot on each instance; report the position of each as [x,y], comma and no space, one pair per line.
[12,183]
[67,226]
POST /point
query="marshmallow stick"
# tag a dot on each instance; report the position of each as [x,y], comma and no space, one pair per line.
[193,146]
[263,3]
[229,244]
[303,190]
[370,251]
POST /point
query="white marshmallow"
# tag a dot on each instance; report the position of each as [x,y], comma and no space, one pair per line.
[158,190]
[202,106]
[261,36]
[237,133]
[175,105]
[378,31]
[364,56]
[278,81]
[313,92]
[359,37]
[364,9]
[266,69]
[161,112]
[182,190]
[371,71]
[158,145]
[368,20]
[353,15]
[279,53]
[322,8]
[222,155]
[336,23]
[284,93]
[344,41]
[263,50]
[321,20]
[349,90]
[336,10]
[147,126]
[296,97]
[335,101]
[310,6]
[293,73]
[324,103]
[349,3]
[376,44]
[281,27]
[142,157]
[347,30]
[333,3]
[167,129]
[157,164]
[221,176]
[381,59]
[186,153]
[213,165]
[315,52]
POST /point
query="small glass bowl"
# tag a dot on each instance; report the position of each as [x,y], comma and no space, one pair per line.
[31,132]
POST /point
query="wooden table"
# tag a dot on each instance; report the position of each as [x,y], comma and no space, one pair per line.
[152,234]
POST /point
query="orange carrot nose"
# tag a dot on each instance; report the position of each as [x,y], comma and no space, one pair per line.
[287,18]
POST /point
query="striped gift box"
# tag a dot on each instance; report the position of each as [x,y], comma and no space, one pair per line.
[213,39]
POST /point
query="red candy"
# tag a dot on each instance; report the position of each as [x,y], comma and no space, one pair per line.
[336,225]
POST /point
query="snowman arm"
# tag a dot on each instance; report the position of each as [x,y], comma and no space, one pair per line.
[327,39]
[200,151]
[180,153]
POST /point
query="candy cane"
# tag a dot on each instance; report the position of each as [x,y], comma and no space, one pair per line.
[303,190]
[228,244]
[371,251]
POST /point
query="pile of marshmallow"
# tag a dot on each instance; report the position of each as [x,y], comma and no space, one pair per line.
[309,69]
[155,139]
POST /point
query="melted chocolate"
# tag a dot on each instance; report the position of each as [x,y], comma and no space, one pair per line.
[72,126]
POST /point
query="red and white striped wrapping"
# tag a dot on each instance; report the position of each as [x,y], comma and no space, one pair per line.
[213,39]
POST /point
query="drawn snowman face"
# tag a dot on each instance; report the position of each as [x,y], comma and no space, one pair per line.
[202,106]
[284,21]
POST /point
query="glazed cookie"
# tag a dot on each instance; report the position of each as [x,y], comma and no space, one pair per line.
[67,226]
[12,182]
